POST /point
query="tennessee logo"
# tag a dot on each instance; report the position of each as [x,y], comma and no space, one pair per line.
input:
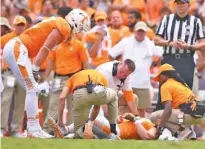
[84,19]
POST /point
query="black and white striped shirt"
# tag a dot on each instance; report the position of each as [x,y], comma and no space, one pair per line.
[188,29]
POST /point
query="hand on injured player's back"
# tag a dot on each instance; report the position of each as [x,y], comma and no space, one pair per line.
[131,117]
[120,119]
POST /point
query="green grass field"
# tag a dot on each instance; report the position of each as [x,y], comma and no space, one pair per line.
[11,143]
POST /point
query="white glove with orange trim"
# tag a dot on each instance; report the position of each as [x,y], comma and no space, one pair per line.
[43,89]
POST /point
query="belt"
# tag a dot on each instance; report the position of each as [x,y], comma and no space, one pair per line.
[178,55]
[84,86]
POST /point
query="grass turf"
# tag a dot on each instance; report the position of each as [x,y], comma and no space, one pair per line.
[12,143]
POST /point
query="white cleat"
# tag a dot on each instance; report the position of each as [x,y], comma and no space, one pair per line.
[38,133]
[69,136]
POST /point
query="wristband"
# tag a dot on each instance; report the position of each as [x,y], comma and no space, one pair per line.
[35,68]
[47,48]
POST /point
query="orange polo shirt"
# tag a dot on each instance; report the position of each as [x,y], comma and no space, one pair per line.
[34,37]
[175,92]
[128,129]
[68,57]
[81,78]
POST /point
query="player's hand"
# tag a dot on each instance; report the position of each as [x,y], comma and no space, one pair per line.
[101,33]
[120,119]
[36,76]
[129,116]
[159,131]
[44,89]
[60,124]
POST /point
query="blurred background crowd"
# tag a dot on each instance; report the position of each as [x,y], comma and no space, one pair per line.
[118,17]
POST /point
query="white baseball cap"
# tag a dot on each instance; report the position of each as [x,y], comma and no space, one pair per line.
[141,26]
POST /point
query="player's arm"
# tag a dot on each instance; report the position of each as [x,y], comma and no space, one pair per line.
[166,113]
[145,134]
[85,65]
[94,112]
[52,40]
[50,66]
[61,104]
[94,47]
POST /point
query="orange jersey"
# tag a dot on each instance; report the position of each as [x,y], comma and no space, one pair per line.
[68,57]
[128,129]
[34,37]
[81,78]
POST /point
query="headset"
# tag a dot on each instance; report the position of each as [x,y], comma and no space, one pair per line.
[114,69]
[114,73]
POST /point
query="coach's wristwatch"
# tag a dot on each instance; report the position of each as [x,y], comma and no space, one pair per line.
[190,47]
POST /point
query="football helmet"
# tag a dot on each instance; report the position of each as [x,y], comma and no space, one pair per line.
[78,20]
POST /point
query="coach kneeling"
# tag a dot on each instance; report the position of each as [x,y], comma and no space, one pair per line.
[88,87]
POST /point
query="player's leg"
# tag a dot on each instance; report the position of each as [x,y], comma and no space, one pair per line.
[16,55]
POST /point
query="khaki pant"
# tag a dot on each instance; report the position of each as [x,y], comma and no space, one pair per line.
[172,123]
[144,95]
[53,102]
[122,104]
[19,102]
[82,102]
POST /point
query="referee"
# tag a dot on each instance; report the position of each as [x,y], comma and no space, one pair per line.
[181,35]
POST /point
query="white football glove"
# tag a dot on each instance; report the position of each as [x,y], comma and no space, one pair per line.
[43,89]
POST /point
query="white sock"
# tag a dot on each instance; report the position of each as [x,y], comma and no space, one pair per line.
[31,106]
[70,128]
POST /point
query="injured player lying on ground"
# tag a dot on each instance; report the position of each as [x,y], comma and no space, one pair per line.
[128,127]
